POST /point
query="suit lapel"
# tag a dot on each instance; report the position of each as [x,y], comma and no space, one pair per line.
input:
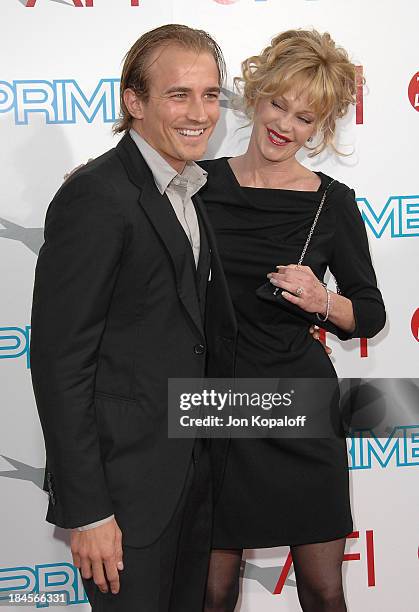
[218,280]
[161,215]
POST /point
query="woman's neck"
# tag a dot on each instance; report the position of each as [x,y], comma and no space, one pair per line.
[254,170]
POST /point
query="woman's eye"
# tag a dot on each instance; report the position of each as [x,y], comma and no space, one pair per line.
[308,121]
[277,105]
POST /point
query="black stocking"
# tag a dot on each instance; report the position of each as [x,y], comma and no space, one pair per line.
[318,571]
[223,580]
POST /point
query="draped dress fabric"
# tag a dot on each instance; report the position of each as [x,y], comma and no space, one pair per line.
[286,491]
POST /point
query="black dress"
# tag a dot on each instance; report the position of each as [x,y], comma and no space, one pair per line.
[286,491]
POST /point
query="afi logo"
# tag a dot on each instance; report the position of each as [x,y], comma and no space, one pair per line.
[78,3]
[363,343]
[415,324]
[274,578]
[369,557]
[234,1]
[413,91]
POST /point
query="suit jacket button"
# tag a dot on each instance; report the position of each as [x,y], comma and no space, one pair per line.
[199,349]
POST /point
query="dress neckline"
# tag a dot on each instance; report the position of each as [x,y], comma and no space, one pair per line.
[261,189]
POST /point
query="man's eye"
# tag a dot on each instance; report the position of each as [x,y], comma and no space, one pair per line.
[179,95]
[212,96]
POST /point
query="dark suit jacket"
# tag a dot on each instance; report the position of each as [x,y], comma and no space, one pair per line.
[115,314]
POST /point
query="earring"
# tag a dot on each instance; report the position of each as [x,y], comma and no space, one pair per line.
[310,139]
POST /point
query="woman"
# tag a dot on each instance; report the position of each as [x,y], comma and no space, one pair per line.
[262,205]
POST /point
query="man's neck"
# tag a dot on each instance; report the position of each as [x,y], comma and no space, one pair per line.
[177,165]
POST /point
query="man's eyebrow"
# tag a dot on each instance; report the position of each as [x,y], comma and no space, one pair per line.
[188,90]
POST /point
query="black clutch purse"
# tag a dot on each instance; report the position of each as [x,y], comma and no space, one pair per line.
[269,293]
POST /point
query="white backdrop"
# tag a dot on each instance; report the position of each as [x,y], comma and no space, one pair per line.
[59,67]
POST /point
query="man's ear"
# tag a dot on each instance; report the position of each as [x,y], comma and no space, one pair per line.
[134,104]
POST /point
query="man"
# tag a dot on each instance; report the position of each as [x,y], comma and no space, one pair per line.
[127,283]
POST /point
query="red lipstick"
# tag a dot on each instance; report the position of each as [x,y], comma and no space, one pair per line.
[274,136]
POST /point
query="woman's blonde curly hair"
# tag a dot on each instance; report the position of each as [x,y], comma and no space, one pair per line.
[303,61]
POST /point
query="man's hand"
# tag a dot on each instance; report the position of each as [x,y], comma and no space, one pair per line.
[97,552]
[314,331]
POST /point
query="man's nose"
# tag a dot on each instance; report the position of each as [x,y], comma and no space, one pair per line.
[197,110]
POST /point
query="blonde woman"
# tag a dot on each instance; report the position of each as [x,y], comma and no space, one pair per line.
[262,205]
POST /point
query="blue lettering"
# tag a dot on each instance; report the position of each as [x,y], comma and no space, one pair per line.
[60,101]
[48,578]
[400,213]
[14,342]
[402,446]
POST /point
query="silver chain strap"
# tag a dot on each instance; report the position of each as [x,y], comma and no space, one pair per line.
[316,218]
[310,234]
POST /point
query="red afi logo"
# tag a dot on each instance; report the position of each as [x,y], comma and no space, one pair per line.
[359,109]
[369,554]
[413,91]
[415,324]
[363,343]
[79,3]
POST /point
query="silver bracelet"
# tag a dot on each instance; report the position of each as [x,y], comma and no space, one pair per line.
[320,318]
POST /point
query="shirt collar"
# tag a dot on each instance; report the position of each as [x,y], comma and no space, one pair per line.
[163,173]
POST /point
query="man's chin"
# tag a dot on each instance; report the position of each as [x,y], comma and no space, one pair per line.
[193,152]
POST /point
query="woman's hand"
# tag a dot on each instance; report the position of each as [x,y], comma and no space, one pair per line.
[315,332]
[71,172]
[300,286]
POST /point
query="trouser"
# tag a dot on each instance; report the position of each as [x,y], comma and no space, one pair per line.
[170,574]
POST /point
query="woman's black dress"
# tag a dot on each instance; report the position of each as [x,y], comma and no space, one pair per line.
[286,491]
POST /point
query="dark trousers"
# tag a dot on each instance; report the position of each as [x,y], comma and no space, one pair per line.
[169,575]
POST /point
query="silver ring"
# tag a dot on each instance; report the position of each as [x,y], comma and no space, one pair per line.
[299,291]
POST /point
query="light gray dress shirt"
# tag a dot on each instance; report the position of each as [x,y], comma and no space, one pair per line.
[179,188]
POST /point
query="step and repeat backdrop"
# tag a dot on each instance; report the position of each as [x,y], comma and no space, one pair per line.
[60,62]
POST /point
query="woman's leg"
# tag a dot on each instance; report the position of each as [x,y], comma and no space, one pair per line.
[223,580]
[318,571]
